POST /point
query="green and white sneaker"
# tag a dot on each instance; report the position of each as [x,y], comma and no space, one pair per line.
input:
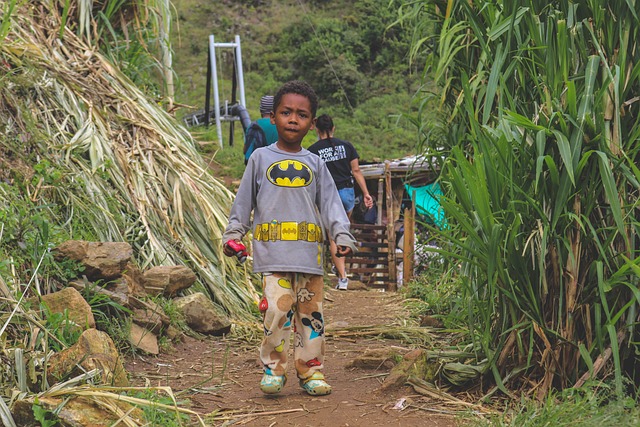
[272,384]
[315,385]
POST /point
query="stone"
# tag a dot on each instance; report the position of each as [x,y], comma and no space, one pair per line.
[75,250]
[167,280]
[94,350]
[118,294]
[74,412]
[101,260]
[78,310]
[201,314]
[149,318]
[143,339]
[134,277]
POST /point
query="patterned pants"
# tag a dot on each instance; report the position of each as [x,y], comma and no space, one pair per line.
[292,299]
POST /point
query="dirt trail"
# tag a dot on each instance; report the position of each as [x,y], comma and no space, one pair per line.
[222,376]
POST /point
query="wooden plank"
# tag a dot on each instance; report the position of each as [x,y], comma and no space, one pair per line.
[367,270]
[367,278]
[379,245]
[367,227]
[391,234]
[379,204]
[407,249]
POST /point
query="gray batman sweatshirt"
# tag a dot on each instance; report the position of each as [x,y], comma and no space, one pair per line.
[294,203]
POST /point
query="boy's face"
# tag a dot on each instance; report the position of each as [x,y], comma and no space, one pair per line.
[293,119]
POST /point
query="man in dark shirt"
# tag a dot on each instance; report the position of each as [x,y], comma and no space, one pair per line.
[341,159]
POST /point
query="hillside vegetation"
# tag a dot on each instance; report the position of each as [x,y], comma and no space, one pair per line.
[348,50]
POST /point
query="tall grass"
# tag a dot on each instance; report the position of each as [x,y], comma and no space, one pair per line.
[125,167]
[541,171]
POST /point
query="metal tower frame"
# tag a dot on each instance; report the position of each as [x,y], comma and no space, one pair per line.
[212,80]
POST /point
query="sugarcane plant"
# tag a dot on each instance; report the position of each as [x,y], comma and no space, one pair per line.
[540,151]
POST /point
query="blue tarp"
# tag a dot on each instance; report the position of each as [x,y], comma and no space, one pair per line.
[427,202]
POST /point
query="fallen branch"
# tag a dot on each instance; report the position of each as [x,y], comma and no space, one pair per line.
[260,414]
[427,389]
[600,362]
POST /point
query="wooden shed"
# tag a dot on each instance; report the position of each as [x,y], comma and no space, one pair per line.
[376,264]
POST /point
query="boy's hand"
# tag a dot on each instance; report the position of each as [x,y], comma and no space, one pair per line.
[235,248]
[342,251]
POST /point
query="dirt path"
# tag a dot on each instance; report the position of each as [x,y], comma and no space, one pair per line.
[221,376]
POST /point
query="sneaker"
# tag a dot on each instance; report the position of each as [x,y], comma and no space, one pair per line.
[315,385]
[272,384]
[342,284]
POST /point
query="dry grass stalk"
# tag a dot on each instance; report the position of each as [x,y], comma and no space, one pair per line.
[131,168]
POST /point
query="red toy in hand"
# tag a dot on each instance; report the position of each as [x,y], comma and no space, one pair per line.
[240,251]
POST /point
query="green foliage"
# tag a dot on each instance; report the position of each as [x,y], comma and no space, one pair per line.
[176,318]
[133,44]
[104,308]
[347,58]
[540,175]
[159,416]
[358,63]
[118,329]
[229,161]
[45,417]
[438,286]
[591,406]
[64,330]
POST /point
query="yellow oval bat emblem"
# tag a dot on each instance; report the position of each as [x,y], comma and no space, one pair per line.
[289,173]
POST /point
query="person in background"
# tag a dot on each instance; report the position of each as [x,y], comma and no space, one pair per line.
[341,159]
[269,134]
[294,203]
[270,131]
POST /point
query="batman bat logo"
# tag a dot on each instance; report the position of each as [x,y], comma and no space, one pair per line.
[289,173]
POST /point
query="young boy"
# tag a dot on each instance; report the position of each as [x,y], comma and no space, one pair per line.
[294,203]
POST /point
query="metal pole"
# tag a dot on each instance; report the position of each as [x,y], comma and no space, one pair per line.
[214,71]
[165,25]
[207,96]
[243,102]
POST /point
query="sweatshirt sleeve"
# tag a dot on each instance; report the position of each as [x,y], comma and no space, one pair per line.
[331,210]
[240,215]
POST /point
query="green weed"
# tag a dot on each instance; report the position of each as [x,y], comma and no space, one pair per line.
[45,417]
[157,416]
[592,405]
[437,287]
[62,328]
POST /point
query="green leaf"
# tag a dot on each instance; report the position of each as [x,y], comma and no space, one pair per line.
[586,357]
[565,153]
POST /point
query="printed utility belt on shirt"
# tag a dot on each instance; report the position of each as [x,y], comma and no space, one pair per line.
[288,231]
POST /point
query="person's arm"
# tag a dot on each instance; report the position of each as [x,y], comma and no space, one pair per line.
[240,215]
[333,216]
[357,174]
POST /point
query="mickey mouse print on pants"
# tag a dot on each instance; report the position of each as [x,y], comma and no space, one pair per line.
[316,324]
[293,301]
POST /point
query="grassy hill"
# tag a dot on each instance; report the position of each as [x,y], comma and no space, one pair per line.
[343,48]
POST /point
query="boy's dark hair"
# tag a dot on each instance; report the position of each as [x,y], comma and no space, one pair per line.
[324,123]
[299,88]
